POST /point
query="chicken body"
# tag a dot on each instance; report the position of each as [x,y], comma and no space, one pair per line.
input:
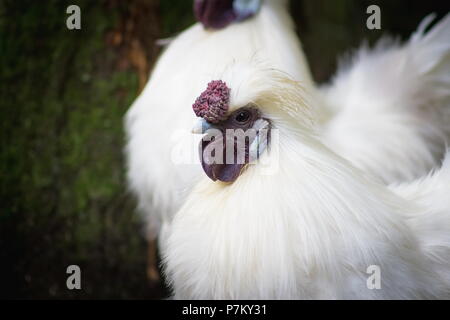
[256,239]
[303,222]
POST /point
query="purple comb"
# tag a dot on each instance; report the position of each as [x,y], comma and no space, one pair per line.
[212,104]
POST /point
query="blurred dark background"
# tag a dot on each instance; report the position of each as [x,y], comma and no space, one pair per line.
[63,94]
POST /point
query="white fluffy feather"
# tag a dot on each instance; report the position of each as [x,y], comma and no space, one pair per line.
[431,224]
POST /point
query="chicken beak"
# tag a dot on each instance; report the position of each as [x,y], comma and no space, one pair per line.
[201,126]
[215,149]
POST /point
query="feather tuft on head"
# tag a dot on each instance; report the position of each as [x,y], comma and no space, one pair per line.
[212,105]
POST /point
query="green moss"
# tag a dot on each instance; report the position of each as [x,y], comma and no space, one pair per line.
[177,15]
[62,175]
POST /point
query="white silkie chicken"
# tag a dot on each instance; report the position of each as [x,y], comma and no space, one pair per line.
[302,222]
[159,120]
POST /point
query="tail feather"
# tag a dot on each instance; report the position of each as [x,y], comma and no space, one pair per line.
[433,45]
[397,91]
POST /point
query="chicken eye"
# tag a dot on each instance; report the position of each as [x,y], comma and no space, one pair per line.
[242,116]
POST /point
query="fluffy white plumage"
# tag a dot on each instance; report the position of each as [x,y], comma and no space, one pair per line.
[310,229]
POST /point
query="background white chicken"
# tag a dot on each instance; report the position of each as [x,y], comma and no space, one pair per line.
[311,228]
